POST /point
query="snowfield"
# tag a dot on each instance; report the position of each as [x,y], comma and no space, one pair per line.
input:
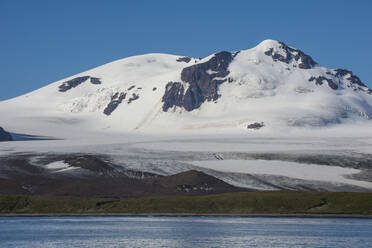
[333,174]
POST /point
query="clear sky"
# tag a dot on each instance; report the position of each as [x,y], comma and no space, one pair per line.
[44,41]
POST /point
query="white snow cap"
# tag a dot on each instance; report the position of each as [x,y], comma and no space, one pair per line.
[267,44]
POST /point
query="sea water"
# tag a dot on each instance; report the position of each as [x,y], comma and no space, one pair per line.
[193,232]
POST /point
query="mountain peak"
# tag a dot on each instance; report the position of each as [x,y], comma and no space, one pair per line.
[279,51]
[267,44]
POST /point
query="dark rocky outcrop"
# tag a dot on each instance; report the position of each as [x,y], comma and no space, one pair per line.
[5,136]
[256,125]
[95,80]
[277,56]
[236,53]
[355,82]
[173,95]
[319,81]
[116,99]
[304,60]
[341,75]
[184,59]
[340,72]
[133,98]
[352,78]
[202,80]
[65,86]
[72,83]
[131,87]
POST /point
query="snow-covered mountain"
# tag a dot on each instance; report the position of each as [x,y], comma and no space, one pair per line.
[271,85]
[254,119]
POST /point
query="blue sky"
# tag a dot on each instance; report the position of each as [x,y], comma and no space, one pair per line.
[44,41]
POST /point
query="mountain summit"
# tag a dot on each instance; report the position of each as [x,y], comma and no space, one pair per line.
[271,85]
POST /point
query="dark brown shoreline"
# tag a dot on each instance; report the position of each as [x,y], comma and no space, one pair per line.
[336,216]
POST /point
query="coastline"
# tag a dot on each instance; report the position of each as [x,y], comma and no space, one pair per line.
[239,204]
[274,215]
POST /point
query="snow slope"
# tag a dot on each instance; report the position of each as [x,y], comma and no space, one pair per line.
[270,83]
[82,107]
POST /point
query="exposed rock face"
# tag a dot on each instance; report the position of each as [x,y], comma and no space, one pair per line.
[5,136]
[304,60]
[319,81]
[342,74]
[133,98]
[115,101]
[95,80]
[65,86]
[173,95]
[352,78]
[256,125]
[202,82]
[72,83]
[184,59]
[131,87]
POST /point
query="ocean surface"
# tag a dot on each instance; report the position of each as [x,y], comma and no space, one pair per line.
[193,232]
